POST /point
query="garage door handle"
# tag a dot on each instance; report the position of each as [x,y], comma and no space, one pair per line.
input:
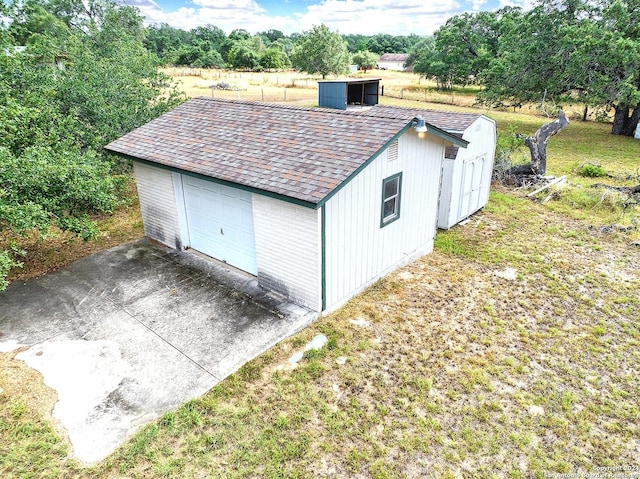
[221,232]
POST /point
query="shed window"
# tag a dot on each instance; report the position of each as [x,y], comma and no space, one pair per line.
[391,190]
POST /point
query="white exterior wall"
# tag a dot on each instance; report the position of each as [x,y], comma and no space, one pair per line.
[481,136]
[158,204]
[288,250]
[386,65]
[358,250]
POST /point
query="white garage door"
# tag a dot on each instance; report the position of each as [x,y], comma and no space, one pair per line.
[220,222]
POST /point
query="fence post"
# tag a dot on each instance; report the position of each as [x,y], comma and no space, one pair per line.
[263,94]
[285,94]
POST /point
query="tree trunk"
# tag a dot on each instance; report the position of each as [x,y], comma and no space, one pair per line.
[623,122]
[621,113]
[537,144]
[632,123]
[585,113]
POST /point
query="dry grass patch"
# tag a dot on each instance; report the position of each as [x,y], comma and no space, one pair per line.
[57,249]
[462,364]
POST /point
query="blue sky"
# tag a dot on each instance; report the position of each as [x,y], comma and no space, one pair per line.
[400,17]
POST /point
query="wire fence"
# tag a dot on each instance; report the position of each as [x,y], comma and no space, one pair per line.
[427,95]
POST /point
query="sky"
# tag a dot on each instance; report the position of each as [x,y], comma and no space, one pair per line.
[367,17]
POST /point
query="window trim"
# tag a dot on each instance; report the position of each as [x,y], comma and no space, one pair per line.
[390,219]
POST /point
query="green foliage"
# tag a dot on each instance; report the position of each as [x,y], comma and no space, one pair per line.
[365,59]
[274,58]
[243,57]
[84,80]
[591,171]
[321,51]
[381,43]
[585,52]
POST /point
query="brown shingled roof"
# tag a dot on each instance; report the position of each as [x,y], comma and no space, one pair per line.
[450,121]
[302,153]
[393,57]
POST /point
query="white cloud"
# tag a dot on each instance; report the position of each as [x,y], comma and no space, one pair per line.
[477,4]
[524,4]
[345,16]
[380,16]
[227,15]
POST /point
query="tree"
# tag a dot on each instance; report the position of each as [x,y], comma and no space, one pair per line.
[274,58]
[321,51]
[537,144]
[82,82]
[568,52]
[428,63]
[242,56]
[365,59]
[466,43]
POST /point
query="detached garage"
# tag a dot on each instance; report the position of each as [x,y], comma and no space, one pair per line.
[316,203]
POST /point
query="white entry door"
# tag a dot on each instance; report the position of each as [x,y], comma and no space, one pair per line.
[220,222]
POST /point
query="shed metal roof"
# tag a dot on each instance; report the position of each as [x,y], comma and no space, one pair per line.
[301,153]
[393,57]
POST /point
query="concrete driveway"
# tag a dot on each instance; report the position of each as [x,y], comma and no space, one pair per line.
[128,334]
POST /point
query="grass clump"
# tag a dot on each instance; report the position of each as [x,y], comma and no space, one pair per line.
[589,170]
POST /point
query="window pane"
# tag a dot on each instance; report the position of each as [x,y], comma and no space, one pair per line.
[389,208]
[391,188]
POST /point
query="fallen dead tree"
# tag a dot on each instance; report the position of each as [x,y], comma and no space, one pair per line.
[534,171]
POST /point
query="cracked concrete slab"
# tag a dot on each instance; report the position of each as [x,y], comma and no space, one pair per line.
[128,334]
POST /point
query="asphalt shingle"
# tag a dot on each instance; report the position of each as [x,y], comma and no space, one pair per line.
[303,153]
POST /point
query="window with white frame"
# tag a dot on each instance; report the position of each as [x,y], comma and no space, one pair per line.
[391,190]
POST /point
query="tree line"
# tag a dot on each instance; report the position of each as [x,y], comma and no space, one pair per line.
[209,47]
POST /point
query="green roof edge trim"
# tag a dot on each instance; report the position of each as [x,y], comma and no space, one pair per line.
[270,194]
[445,135]
[365,164]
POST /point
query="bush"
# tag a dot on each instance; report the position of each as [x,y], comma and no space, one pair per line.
[589,170]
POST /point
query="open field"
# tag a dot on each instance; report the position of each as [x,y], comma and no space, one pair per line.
[512,351]
[301,88]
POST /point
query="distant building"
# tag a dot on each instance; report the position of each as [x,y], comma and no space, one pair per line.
[393,61]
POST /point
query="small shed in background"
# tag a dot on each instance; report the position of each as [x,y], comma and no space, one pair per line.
[339,94]
[467,172]
[393,61]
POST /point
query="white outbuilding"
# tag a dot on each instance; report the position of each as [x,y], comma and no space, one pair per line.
[316,203]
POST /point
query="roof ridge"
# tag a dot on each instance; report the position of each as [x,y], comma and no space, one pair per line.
[275,105]
[448,112]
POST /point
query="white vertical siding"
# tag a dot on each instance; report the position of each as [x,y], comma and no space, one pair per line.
[481,136]
[158,204]
[358,250]
[288,249]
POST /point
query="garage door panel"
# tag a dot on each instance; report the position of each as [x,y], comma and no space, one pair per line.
[220,222]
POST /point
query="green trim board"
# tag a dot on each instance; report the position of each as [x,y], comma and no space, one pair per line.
[445,135]
[288,199]
[365,164]
[307,204]
[323,259]
[384,199]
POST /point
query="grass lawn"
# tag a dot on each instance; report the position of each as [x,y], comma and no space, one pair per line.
[511,351]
